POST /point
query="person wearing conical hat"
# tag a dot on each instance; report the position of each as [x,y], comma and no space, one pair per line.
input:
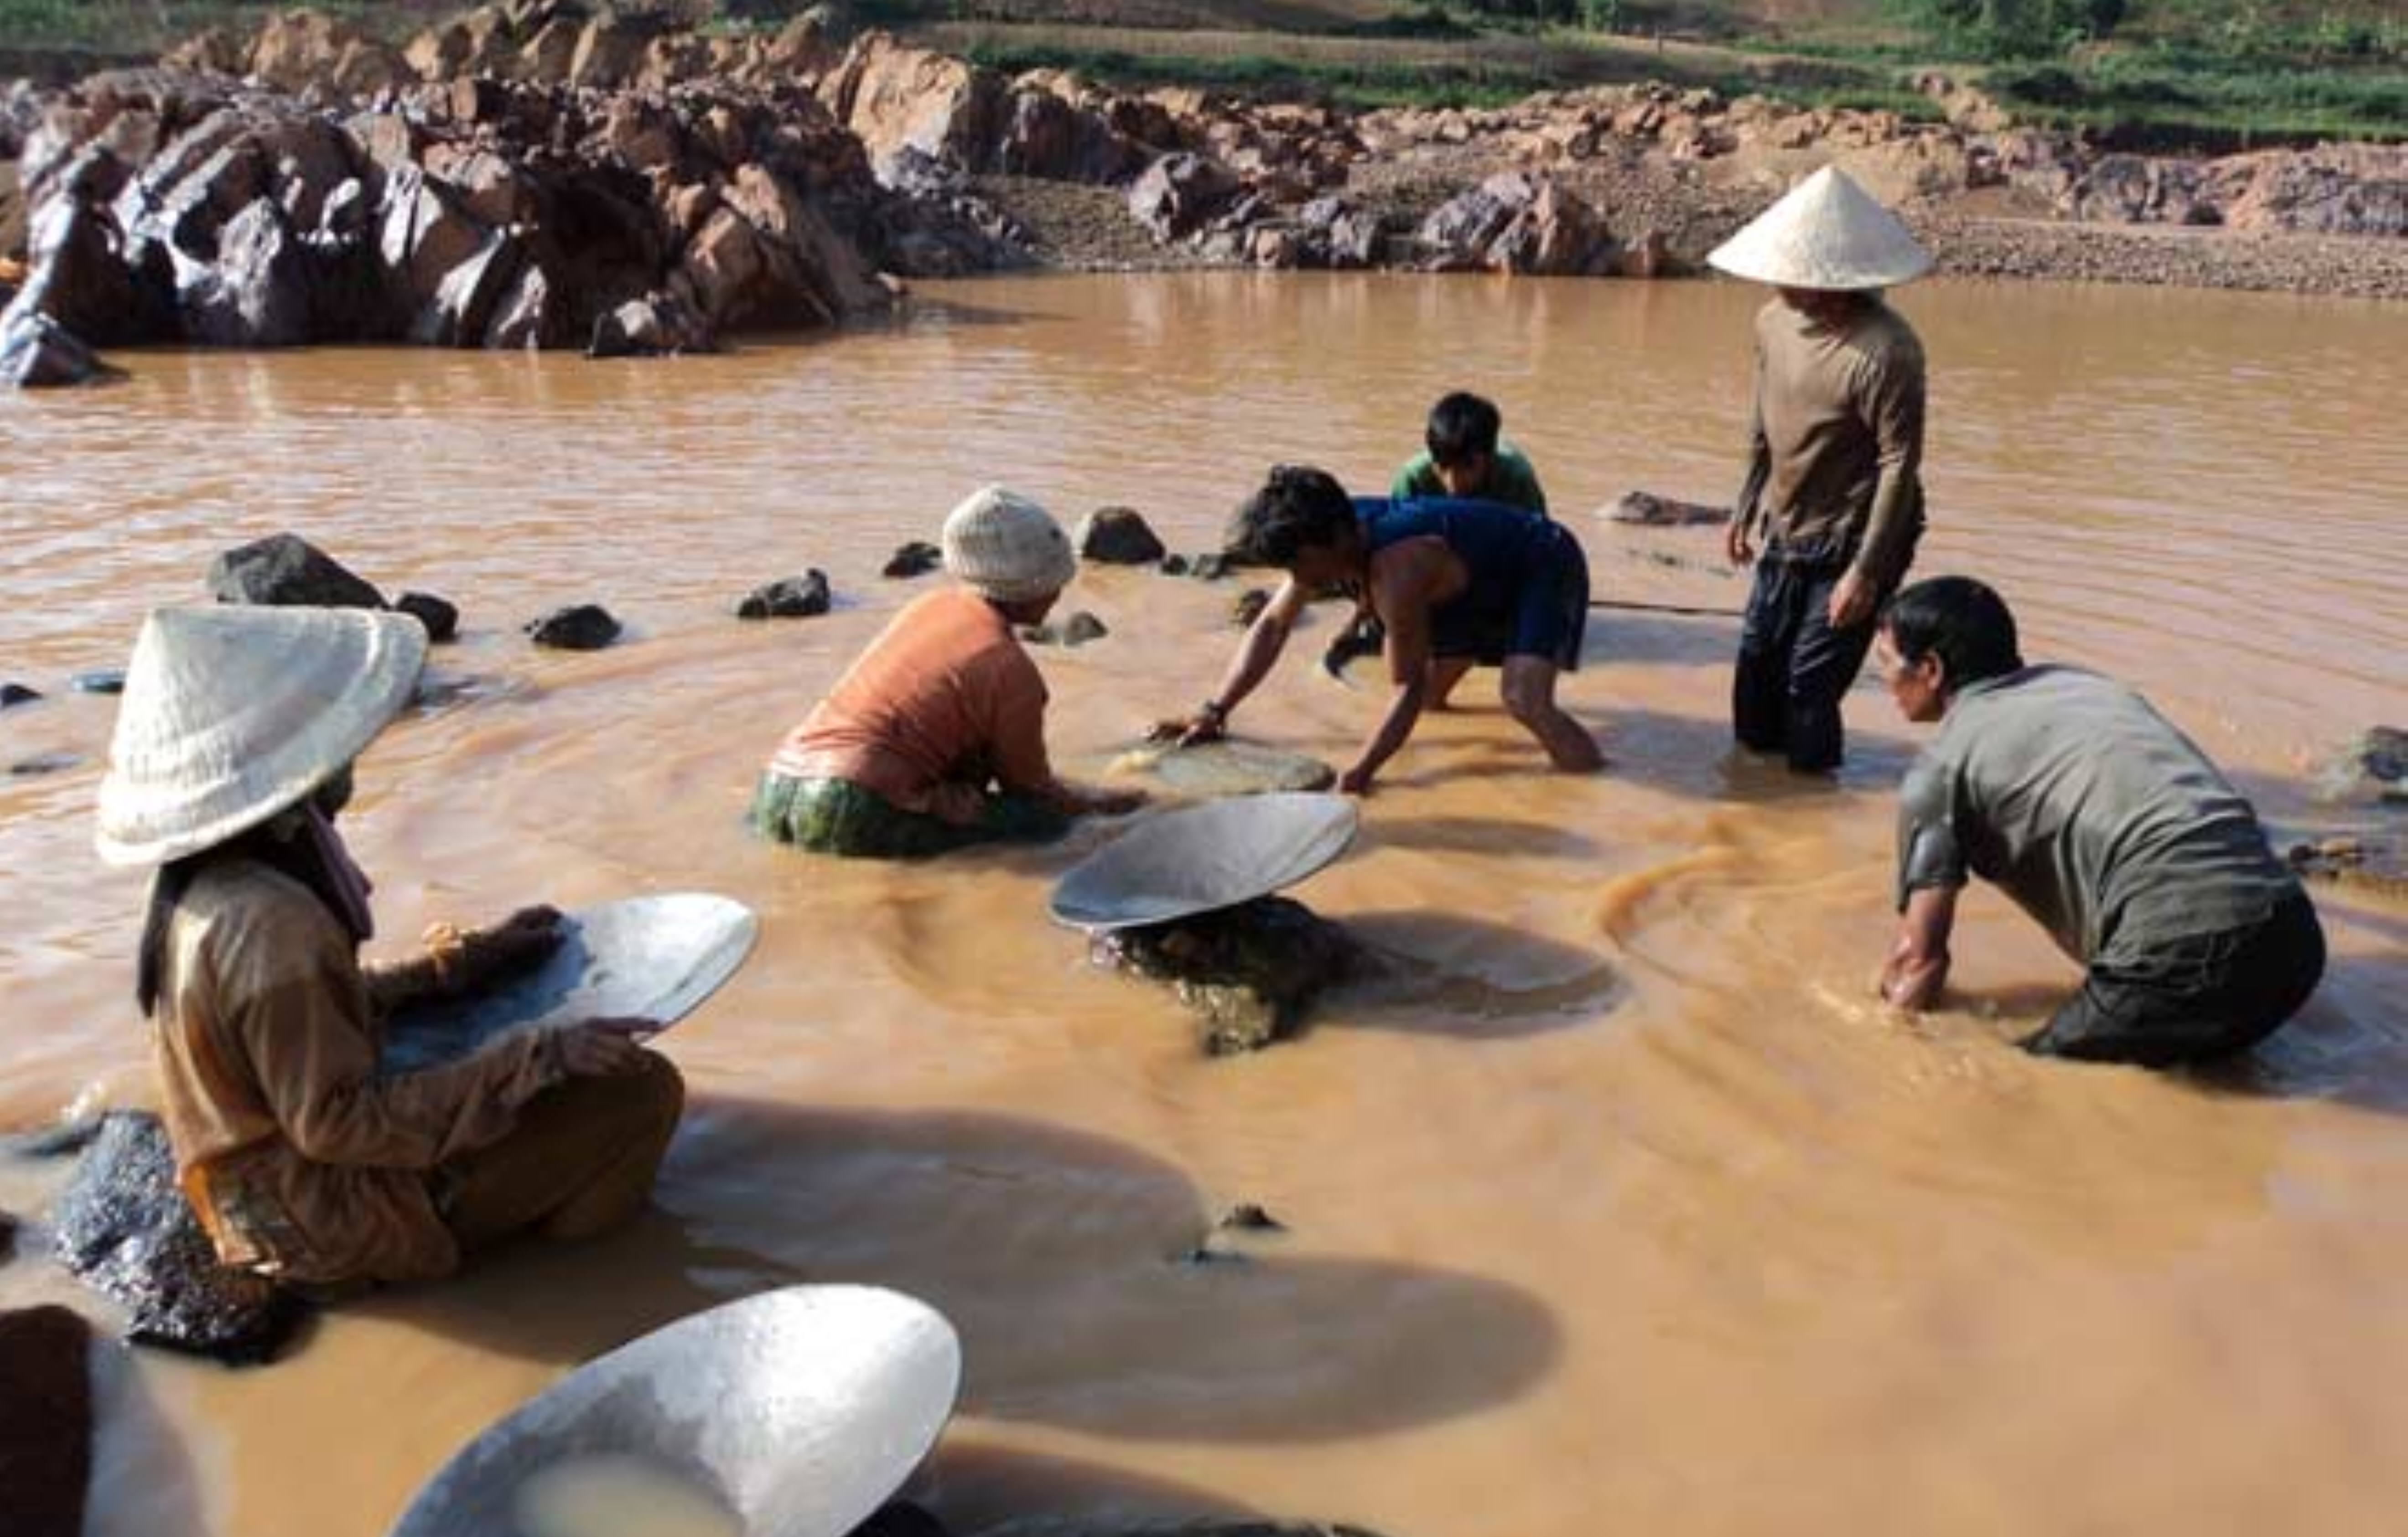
[935,739]
[1833,499]
[232,757]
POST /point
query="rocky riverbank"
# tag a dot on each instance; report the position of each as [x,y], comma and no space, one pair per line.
[530,175]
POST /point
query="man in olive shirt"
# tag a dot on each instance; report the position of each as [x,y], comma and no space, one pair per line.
[2102,822]
[1833,491]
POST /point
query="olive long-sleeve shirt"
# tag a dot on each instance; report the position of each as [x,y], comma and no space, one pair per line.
[302,1161]
[1835,442]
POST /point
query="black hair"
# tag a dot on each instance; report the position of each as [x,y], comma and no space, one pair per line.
[1461,425]
[1961,620]
[1297,507]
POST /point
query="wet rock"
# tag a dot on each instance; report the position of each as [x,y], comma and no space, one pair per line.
[257,293]
[441,618]
[37,352]
[2371,769]
[99,681]
[1334,234]
[287,570]
[124,1228]
[1179,195]
[584,626]
[1172,564]
[1247,971]
[897,98]
[81,275]
[1248,607]
[42,763]
[1645,509]
[1118,535]
[46,1420]
[1210,567]
[2140,189]
[1517,223]
[915,557]
[1247,1216]
[1077,630]
[795,597]
[1205,1254]
[659,326]
[2373,861]
[17,694]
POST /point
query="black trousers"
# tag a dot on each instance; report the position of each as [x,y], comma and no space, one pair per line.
[1794,668]
[2196,997]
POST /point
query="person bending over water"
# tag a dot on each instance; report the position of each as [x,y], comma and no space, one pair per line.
[231,759]
[935,739]
[1454,581]
[2102,822]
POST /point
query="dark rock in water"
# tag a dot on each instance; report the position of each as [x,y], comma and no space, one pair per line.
[17,694]
[441,618]
[915,558]
[285,569]
[7,1235]
[37,352]
[1082,628]
[1118,535]
[42,763]
[2372,768]
[585,626]
[1250,971]
[1246,1217]
[1209,567]
[795,597]
[899,1518]
[126,1228]
[1249,606]
[1180,193]
[44,1421]
[1173,565]
[662,325]
[99,681]
[1649,510]
[1204,1254]
[2376,862]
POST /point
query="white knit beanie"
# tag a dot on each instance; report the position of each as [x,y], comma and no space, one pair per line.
[1007,547]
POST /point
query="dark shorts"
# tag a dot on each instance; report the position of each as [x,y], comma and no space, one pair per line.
[1546,615]
[2202,997]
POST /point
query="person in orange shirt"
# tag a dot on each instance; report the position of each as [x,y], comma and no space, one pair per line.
[935,739]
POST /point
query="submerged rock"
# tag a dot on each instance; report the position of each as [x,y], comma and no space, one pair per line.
[1246,1217]
[1082,628]
[1249,971]
[42,763]
[1646,509]
[17,694]
[37,352]
[795,597]
[1209,567]
[915,557]
[441,618]
[584,626]
[285,569]
[124,1228]
[99,681]
[2372,861]
[46,1424]
[1118,535]
[2372,768]
[659,326]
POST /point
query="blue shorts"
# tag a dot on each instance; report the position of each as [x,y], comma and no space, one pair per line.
[1545,614]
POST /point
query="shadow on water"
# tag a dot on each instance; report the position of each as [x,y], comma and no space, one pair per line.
[989,1491]
[1474,835]
[1437,973]
[1060,1256]
[1621,637]
[143,1481]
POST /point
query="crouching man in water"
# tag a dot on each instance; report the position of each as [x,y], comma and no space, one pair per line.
[232,756]
[935,739]
[1454,581]
[2102,822]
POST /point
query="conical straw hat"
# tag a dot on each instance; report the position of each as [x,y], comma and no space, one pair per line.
[231,714]
[1827,233]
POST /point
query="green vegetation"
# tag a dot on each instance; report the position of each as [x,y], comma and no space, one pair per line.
[1263,76]
[122,28]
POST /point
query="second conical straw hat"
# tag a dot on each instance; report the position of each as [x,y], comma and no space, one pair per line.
[1827,233]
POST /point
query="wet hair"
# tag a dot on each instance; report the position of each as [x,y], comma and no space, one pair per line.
[1298,507]
[1461,425]
[1958,620]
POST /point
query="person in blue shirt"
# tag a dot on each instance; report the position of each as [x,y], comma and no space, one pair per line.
[1454,581]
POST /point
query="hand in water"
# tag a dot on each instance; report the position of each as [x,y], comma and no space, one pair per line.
[603,1048]
[1188,730]
[1356,781]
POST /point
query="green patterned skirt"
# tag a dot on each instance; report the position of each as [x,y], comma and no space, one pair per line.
[838,816]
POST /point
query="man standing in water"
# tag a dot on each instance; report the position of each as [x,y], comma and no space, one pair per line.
[1453,581]
[2102,822]
[1835,446]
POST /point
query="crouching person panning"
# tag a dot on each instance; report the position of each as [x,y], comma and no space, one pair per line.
[2103,822]
[935,739]
[232,757]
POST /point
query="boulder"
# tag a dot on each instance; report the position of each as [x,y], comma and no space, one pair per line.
[37,352]
[895,97]
[610,50]
[257,293]
[1336,235]
[1118,535]
[46,1420]
[124,1226]
[2334,189]
[657,325]
[17,694]
[465,303]
[795,598]
[584,626]
[1516,222]
[1645,509]
[286,570]
[915,557]
[82,276]
[1247,971]
[2141,189]
[1180,194]
[441,618]
[298,50]
[1047,136]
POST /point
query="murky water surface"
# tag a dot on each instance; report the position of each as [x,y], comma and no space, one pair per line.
[1623,1212]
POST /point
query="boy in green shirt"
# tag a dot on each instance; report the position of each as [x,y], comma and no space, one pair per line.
[1464,457]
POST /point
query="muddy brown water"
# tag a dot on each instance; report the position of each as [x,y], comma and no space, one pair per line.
[1619,1208]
